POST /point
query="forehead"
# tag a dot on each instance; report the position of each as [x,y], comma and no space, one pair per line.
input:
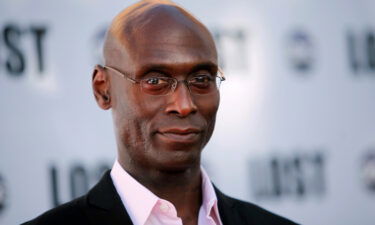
[168,37]
[172,51]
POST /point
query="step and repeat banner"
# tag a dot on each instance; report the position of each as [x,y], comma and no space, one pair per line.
[295,130]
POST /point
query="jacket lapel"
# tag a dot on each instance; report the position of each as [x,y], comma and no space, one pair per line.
[227,211]
[104,204]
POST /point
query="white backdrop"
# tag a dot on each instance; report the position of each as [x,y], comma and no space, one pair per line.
[295,130]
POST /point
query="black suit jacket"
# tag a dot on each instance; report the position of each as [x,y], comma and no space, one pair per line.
[103,206]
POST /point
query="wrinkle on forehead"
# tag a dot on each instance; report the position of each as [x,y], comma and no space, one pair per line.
[151,18]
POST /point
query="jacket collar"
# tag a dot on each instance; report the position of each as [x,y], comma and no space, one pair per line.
[106,206]
[228,213]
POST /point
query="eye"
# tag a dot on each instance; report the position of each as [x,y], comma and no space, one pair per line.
[201,79]
[156,81]
[156,85]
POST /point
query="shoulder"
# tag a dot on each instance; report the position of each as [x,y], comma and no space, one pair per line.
[69,213]
[259,214]
[100,203]
[248,213]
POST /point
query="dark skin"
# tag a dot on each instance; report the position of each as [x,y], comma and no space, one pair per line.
[160,138]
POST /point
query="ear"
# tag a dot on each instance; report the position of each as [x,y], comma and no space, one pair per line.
[101,87]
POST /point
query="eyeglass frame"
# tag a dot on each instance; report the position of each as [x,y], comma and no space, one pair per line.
[173,88]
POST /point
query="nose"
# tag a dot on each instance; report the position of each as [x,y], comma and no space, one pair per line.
[181,102]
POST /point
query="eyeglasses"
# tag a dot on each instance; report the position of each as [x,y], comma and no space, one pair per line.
[202,83]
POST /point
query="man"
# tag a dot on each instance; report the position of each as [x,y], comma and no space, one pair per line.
[161,80]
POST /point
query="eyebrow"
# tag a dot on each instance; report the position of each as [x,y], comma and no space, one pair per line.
[212,67]
[205,66]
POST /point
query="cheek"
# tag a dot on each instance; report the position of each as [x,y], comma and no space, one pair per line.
[208,108]
[133,114]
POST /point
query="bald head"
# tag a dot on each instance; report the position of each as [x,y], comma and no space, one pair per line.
[160,20]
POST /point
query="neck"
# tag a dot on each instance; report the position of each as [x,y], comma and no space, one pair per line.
[182,188]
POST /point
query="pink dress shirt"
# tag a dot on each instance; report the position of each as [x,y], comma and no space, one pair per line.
[145,208]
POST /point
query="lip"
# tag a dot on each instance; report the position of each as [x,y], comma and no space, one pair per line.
[180,135]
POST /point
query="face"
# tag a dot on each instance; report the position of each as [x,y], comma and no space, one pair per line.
[166,133]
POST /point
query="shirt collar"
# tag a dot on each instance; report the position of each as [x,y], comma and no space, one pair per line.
[139,201]
[209,198]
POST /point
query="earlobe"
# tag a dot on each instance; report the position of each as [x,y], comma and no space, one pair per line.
[101,87]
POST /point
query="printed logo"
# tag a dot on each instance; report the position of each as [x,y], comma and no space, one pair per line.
[368,170]
[300,51]
[2,194]
[290,175]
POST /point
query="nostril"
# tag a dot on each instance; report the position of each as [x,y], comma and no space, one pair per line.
[184,112]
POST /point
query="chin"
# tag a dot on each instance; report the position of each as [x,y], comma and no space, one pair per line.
[179,161]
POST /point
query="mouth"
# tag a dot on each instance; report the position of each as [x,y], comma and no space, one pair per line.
[179,135]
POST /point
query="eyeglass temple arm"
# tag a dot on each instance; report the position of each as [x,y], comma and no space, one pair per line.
[221,74]
[120,73]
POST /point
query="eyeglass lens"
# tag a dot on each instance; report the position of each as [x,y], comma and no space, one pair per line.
[200,85]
